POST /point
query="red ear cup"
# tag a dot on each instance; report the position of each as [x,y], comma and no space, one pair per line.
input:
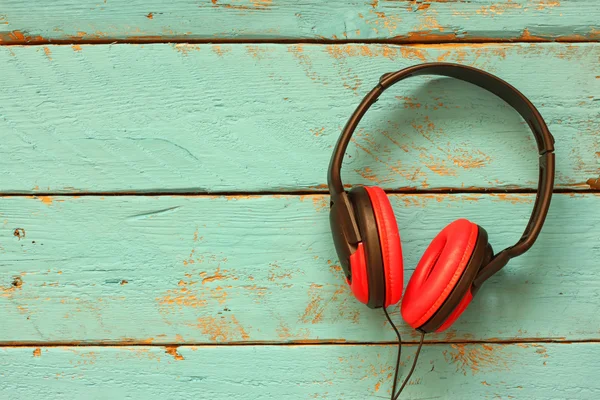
[391,250]
[359,284]
[462,306]
[438,272]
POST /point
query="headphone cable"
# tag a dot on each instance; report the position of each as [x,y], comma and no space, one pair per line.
[412,368]
[395,395]
[399,351]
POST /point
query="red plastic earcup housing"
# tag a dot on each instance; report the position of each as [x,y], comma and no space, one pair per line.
[391,249]
[462,306]
[438,272]
[359,284]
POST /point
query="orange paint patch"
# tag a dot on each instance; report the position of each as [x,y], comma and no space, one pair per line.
[349,50]
[543,4]
[255,5]
[367,173]
[172,350]
[417,201]
[258,52]
[285,333]
[219,294]
[76,47]
[409,102]
[526,36]
[48,53]
[469,159]
[594,183]
[221,51]
[261,3]
[18,37]
[318,131]
[90,36]
[305,62]
[182,298]
[275,273]
[321,203]
[216,277]
[37,352]
[240,328]
[499,8]
[223,329]
[185,48]
[47,200]
[427,36]
[317,305]
[514,199]
[16,284]
[475,358]
[430,23]
[383,21]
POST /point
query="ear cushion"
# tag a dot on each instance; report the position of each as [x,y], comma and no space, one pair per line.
[438,272]
[389,238]
[366,262]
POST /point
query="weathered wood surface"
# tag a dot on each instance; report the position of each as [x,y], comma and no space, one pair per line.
[174,269]
[407,20]
[154,118]
[479,371]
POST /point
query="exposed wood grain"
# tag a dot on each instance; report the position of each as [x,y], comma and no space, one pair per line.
[190,118]
[216,270]
[524,372]
[404,20]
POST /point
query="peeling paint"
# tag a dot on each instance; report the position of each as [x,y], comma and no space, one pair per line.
[475,358]
[47,200]
[221,50]
[254,5]
[222,329]
[172,350]
[48,53]
[594,183]
[185,48]
[18,37]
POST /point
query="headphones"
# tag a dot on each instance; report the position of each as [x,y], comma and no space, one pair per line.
[459,259]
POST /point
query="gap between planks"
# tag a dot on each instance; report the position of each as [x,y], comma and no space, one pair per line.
[148,343]
[319,191]
[39,41]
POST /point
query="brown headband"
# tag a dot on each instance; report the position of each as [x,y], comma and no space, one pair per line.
[545,143]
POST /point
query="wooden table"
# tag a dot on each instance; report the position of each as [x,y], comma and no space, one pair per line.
[164,214]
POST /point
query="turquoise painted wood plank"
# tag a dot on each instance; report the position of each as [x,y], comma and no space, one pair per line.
[265,117]
[216,270]
[482,371]
[411,20]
